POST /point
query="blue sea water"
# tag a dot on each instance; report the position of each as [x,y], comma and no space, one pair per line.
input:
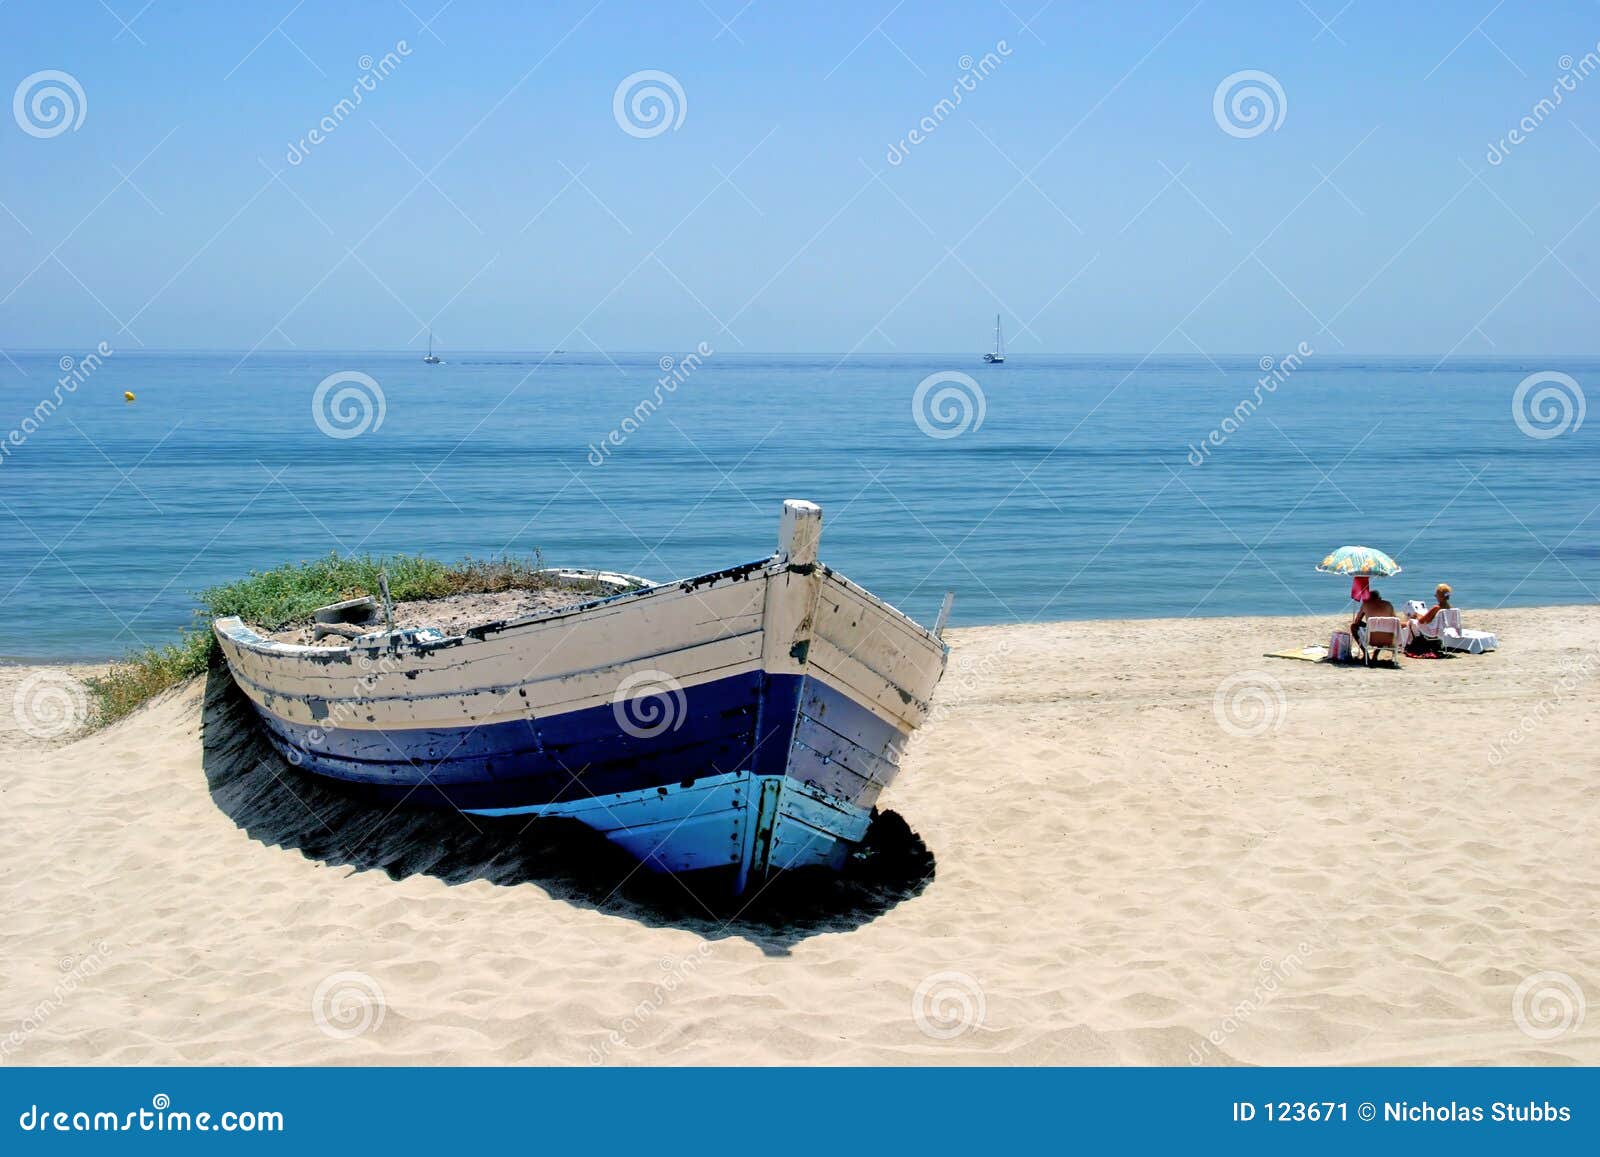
[1057,488]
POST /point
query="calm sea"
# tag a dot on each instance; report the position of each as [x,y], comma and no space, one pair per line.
[1048,488]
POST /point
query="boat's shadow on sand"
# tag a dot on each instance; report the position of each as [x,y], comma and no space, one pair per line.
[279,805]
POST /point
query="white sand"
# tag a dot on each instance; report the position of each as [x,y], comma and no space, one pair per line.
[1117,877]
[42,707]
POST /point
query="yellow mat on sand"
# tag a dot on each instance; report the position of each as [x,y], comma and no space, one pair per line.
[1313,654]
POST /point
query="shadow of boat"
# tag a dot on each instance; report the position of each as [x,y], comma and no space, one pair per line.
[279,805]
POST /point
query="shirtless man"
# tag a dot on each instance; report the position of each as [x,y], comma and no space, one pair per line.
[1376,607]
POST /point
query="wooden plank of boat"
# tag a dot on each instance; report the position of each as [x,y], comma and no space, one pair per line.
[745,720]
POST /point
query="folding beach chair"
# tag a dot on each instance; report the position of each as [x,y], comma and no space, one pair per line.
[1446,624]
[1382,633]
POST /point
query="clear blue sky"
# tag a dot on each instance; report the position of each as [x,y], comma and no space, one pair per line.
[1084,188]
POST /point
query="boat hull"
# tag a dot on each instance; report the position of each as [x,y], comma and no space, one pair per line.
[749,718]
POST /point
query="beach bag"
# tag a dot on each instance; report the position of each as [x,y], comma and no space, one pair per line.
[1340,647]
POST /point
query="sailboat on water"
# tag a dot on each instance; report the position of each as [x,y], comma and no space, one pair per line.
[999,354]
[430,359]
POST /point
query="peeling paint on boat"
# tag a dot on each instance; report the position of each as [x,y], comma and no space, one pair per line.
[744,720]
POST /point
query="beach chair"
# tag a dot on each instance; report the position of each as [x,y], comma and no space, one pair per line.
[1429,631]
[1446,624]
[1453,637]
[1382,633]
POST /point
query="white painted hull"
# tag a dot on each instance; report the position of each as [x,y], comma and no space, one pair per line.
[745,720]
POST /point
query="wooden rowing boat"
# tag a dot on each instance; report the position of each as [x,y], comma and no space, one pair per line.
[740,722]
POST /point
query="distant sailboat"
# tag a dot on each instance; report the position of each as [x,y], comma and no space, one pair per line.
[999,354]
[430,359]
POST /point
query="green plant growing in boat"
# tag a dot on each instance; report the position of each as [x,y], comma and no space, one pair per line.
[271,600]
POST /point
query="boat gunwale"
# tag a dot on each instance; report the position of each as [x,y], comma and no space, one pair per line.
[243,635]
[857,589]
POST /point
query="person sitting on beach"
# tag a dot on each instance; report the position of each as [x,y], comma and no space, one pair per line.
[1441,602]
[1425,627]
[1375,607]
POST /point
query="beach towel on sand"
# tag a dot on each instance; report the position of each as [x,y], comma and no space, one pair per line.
[1316,653]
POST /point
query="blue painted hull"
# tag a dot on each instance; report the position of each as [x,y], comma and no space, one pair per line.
[756,725]
[825,750]
[550,760]
[766,724]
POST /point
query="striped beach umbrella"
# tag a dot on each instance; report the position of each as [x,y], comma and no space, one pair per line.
[1359,560]
[1360,563]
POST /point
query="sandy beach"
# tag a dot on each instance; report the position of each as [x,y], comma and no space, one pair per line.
[1132,842]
